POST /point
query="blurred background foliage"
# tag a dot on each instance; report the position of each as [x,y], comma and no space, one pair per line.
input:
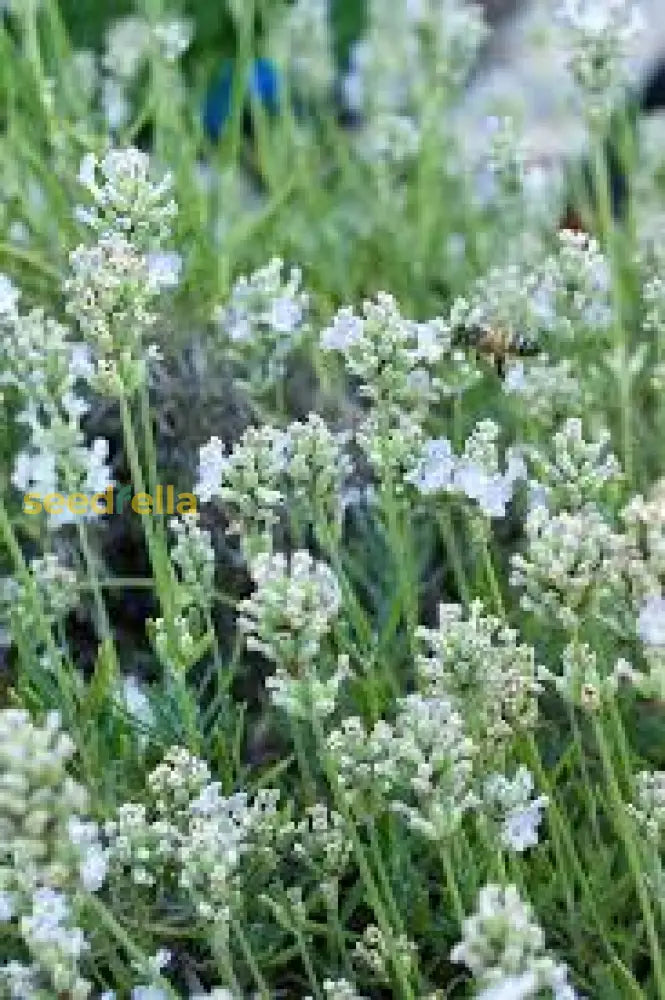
[87,20]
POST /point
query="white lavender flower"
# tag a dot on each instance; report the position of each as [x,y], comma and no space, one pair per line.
[581,683]
[190,835]
[220,833]
[577,280]
[512,298]
[409,63]
[436,467]
[478,662]
[322,841]
[435,761]
[93,864]
[48,850]
[421,766]
[139,847]
[317,466]
[265,317]
[114,283]
[475,473]
[164,269]
[54,587]
[648,809]
[301,41]
[249,481]
[44,369]
[194,558]
[391,443]
[504,948]
[126,200]
[542,387]
[54,942]
[600,35]
[390,139]
[644,519]
[519,813]
[575,472]
[177,781]
[9,296]
[651,621]
[127,43]
[307,695]
[22,982]
[212,461]
[340,989]
[573,562]
[292,609]
[389,355]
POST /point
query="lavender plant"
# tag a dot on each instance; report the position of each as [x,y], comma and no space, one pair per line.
[390,719]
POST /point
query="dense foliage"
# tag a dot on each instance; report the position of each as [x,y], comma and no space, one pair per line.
[332,518]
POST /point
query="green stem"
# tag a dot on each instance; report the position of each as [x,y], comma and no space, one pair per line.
[632,854]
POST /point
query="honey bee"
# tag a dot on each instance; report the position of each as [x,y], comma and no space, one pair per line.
[498,344]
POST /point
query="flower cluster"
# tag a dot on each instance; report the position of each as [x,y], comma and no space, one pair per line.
[512,299]
[573,563]
[599,37]
[292,609]
[648,809]
[180,635]
[42,372]
[303,467]
[393,361]
[650,621]
[581,683]
[644,525]
[339,989]
[519,814]
[388,355]
[194,558]
[129,42]
[504,949]
[265,317]
[474,474]
[189,836]
[49,852]
[222,831]
[52,585]
[422,764]
[575,473]
[380,955]
[125,199]
[301,40]
[308,696]
[115,282]
[479,662]
[644,521]
[542,388]
[578,281]
[322,840]
[248,481]
[317,467]
[407,66]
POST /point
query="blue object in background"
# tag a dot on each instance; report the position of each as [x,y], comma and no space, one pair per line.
[264,87]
